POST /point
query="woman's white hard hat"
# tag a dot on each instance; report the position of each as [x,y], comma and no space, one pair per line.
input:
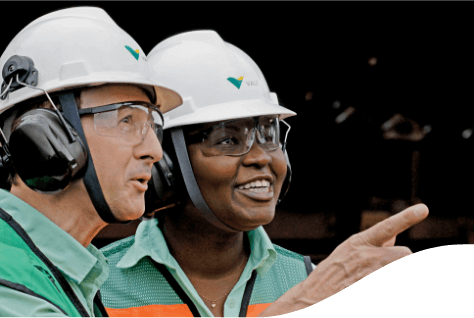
[217,80]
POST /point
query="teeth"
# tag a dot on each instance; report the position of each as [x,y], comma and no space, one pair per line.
[260,185]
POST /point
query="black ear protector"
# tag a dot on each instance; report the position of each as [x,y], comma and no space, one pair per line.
[48,149]
[162,192]
[44,157]
[44,149]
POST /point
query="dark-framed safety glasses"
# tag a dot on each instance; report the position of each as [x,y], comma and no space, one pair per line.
[128,120]
[236,137]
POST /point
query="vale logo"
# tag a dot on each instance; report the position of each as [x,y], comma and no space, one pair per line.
[236,81]
[135,53]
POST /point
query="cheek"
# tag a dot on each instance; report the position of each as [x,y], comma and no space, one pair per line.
[212,172]
[108,155]
[279,167]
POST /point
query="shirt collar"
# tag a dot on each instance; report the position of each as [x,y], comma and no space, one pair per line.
[65,252]
[149,241]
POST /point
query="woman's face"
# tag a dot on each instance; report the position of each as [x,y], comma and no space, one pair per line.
[242,191]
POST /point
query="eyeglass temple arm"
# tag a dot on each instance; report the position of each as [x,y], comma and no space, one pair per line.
[283,147]
[61,118]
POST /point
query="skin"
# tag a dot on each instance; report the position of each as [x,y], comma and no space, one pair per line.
[118,164]
[208,254]
[355,258]
[214,258]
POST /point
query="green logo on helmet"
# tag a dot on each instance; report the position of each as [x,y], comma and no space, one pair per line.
[135,53]
[236,81]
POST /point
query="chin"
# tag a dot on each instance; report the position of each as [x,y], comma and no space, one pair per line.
[255,219]
[132,211]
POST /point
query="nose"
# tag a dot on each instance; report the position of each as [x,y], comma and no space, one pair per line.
[256,156]
[149,149]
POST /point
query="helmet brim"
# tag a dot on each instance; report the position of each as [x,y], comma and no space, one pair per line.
[188,114]
[165,97]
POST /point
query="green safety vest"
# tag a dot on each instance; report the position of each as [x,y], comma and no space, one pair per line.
[149,289]
[24,268]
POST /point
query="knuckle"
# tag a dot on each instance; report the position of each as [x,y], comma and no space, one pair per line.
[387,228]
[356,239]
[407,218]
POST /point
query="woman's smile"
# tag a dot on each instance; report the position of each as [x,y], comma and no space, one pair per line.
[259,189]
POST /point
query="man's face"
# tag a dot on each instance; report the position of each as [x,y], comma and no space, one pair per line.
[123,167]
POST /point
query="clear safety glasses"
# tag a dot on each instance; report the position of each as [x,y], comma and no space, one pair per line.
[129,120]
[236,137]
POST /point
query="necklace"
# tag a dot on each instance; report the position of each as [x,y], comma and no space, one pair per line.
[213,302]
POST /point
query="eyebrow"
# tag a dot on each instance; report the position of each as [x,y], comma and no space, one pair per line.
[192,131]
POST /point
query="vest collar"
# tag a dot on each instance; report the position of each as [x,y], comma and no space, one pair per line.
[149,241]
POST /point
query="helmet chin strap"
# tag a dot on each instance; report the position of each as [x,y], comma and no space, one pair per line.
[192,187]
[91,181]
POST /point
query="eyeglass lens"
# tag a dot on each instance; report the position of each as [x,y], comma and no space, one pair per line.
[130,122]
[237,137]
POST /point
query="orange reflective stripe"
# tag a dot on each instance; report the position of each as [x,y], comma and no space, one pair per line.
[255,310]
[180,310]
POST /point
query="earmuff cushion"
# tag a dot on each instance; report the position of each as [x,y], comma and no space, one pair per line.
[166,187]
[44,158]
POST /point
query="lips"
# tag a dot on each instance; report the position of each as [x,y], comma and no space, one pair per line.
[140,185]
[141,182]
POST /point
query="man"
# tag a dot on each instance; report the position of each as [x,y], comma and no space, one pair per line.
[80,116]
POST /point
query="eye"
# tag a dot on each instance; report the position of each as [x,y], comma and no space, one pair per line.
[227,142]
[127,119]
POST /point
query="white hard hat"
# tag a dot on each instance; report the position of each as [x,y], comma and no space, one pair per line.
[79,47]
[217,80]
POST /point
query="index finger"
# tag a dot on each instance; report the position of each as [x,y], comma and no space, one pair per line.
[387,229]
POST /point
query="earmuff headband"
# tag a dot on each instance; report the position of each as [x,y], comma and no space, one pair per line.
[192,187]
[91,181]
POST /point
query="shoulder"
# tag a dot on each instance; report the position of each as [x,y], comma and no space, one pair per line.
[27,286]
[16,262]
[291,262]
[287,255]
[8,250]
[288,270]
[14,303]
[283,251]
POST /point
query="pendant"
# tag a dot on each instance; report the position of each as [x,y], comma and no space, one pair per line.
[213,305]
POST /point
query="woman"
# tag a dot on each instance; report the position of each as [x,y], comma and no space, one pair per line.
[208,255]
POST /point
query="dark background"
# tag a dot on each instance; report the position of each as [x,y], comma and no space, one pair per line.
[315,56]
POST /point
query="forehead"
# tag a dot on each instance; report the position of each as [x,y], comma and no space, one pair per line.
[111,94]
